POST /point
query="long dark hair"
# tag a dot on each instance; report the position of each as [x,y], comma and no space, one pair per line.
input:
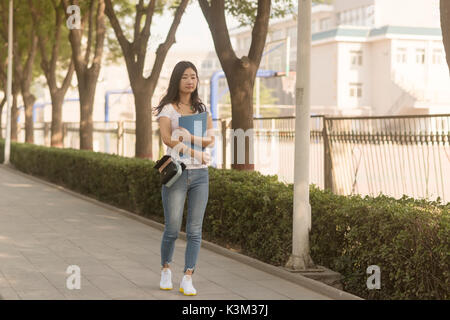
[173,95]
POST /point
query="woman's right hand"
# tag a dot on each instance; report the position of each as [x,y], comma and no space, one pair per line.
[202,157]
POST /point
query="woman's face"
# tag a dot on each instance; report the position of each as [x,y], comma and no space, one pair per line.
[188,82]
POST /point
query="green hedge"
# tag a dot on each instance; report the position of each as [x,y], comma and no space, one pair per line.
[407,238]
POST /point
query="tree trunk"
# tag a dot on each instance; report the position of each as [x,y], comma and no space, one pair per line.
[445,26]
[87,95]
[57,134]
[29,100]
[87,75]
[142,99]
[134,54]
[241,92]
[14,116]
[1,112]
[49,66]
[240,73]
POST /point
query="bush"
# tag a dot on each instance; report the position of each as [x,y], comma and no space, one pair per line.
[251,213]
[407,238]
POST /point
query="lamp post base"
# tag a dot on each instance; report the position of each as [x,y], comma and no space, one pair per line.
[322,274]
[300,263]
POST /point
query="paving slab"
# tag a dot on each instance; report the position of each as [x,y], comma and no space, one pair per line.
[45,228]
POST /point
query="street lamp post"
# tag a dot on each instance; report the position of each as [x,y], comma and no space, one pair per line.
[9,85]
[300,258]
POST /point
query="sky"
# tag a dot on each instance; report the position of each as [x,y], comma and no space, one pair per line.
[193,32]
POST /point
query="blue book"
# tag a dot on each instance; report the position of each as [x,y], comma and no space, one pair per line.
[196,124]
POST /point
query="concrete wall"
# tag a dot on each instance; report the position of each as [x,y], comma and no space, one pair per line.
[324,75]
[348,73]
[380,70]
[418,13]
[428,83]
[342,5]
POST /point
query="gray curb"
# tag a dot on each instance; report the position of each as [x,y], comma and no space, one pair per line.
[308,283]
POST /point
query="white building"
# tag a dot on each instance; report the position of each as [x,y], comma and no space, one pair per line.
[369,57]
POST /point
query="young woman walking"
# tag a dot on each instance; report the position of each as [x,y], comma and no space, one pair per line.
[182,99]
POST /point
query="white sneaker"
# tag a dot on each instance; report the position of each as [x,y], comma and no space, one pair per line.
[186,286]
[166,280]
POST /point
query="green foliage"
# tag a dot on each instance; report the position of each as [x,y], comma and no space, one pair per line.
[408,239]
[22,32]
[245,11]
[125,11]
[46,24]
[266,98]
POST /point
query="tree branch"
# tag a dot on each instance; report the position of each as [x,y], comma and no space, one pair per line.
[41,40]
[69,75]
[75,36]
[206,9]
[124,43]
[48,72]
[141,45]
[445,27]
[259,32]
[56,43]
[163,48]
[215,16]
[137,24]
[3,102]
[28,70]
[100,34]
[4,30]
[90,30]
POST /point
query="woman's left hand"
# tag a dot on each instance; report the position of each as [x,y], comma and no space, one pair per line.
[184,134]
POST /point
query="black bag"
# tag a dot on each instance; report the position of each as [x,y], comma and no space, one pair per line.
[170,170]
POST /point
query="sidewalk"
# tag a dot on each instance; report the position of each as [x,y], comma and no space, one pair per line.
[44,229]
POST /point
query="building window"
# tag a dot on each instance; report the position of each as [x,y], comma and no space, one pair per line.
[207,64]
[401,55]
[420,56]
[277,35]
[325,24]
[247,42]
[314,26]
[343,17]
[356,58]
[275,63]
[355,90]
[238,44]
[370,16]
[436,10]
[362,16]
[354,16]
[292,33]
[438,56]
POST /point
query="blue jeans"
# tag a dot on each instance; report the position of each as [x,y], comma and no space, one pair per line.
[194,183]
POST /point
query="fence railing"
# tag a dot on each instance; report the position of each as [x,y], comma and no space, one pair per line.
[393,155]
[359,155]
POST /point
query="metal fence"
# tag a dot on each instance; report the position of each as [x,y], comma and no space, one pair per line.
[393,155]
[359,155]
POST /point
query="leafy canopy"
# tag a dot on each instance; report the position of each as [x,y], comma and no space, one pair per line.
[245,11]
